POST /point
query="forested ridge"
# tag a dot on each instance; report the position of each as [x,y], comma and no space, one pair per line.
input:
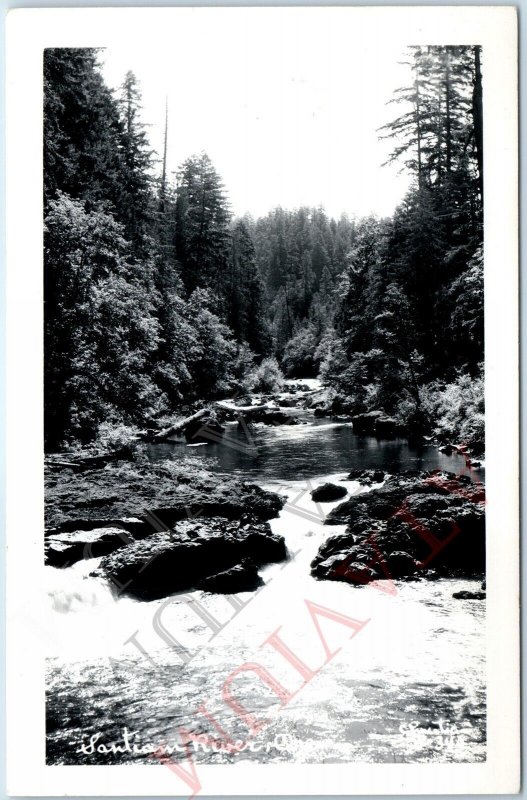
[157,298]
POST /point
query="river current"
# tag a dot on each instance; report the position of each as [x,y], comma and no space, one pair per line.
[390,672]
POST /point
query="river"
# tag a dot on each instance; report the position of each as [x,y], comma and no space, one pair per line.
[394,672]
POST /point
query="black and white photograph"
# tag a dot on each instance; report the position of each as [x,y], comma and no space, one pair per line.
[264,368]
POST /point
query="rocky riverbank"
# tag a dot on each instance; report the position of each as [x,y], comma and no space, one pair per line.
[168,526]
[426,524]
[162,528]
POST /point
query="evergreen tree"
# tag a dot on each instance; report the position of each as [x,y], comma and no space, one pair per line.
[82,129]
[135,198]
[202,232]
[246,295]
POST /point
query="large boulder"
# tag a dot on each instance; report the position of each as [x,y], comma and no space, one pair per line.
[328,493]
[182,559]
[410,523]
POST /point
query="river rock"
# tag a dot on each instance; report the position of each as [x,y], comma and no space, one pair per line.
[271,416]
[377,423]
[266,412]
[401,564]
[465,595]
[137,527]
[290,402]
[64,549]
[181,559]
[328,492]
[327,568]
[367,476]
[172,491]
[364,424]
[410,523]
[356,572]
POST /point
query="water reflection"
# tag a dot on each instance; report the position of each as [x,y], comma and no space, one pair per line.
[297,452]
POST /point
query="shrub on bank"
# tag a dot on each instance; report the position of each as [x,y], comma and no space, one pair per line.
[458,411]
[267,377]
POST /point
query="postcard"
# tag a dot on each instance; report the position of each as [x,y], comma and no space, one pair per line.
[262,401]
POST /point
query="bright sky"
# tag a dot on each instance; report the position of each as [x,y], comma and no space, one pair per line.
[288,114]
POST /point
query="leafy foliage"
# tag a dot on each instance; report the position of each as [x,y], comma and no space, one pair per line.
[458,409]
[267,377]
[100,325]
[299,359]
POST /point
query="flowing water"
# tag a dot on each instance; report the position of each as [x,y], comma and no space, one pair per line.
[382,673]
[314,448]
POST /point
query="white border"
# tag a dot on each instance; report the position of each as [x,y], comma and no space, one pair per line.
[28,32]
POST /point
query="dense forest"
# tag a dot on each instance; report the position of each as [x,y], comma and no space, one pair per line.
[157,298]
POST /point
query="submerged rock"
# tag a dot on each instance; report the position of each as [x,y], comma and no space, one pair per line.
[182,559]
[328,493]
[411,523]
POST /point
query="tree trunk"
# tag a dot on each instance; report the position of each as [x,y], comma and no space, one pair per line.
[477,113]
[179,426]
[419,137]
